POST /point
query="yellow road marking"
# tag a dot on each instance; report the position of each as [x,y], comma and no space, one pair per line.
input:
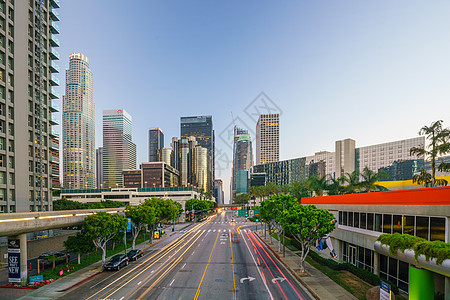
[197,294]
[232,265]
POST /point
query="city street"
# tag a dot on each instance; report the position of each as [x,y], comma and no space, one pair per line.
[212,260]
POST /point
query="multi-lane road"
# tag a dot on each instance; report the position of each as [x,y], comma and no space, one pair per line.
[214,259]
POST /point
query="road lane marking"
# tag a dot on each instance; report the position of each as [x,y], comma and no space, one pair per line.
[172,282]
[139,282]
[257,267]
[193,252]
[183,266]
[197,294]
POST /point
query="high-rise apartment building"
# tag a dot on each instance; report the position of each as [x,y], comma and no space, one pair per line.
[268,138]
[155,142]
[201,127]
[99,167]
[28,164]
[242,160]
[119,152]
[78,125]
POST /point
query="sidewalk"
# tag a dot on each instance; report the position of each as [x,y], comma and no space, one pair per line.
[318,284]
[58,288]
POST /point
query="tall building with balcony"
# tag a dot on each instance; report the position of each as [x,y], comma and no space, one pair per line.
[28,144]
[201,127]
[268,139]
[119,152]
[78,125]
[155,143]
[242,160]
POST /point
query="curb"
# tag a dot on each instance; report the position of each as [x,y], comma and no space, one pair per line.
[289,268]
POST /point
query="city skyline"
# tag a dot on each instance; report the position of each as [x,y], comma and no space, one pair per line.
[333,69]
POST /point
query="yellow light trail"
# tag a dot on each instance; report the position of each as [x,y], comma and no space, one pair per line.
[209,260]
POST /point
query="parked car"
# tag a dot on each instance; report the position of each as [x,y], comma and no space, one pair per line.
[116,262]
[135,254]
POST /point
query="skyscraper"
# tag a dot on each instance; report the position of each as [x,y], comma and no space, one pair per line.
[78,125]
[268,138]
[119,152]
[242,159]
[155,142]
[27,158]
[99,167]
[201,127]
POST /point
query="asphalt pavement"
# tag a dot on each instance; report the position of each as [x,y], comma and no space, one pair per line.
[214,259]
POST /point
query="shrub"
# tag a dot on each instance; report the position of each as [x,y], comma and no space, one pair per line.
[436,249]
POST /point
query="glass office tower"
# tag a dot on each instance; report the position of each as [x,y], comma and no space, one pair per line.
[155,142]
[119,152]
[201,127]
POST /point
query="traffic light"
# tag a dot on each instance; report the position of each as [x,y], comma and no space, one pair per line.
[256,220]
[246,213]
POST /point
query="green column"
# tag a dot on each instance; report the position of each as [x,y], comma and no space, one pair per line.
[421,284]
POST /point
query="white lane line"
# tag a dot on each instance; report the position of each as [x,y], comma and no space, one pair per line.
[172,282]
[214,230]
[193,252]
[183,266]
[259,271]
[121,298]
[209,230]
[219,230]
[139,282]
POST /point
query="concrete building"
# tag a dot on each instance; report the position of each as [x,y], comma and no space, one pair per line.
[27,104]
[363,217]
[201,127]
[132,178]
[242,158]
[201,168]
[268,139]
[346,159]
[159,174]
[132,196]
[119,152]
[78,125]
[99,167]
[155,142]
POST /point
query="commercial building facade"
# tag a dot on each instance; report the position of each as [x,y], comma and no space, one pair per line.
[155,142]
[201,127]
[268,139]
[218,191]
[78,125]
[28,160]
[119,152]
[362,218]
[99,167]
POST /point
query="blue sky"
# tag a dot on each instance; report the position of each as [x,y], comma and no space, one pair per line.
[374,71]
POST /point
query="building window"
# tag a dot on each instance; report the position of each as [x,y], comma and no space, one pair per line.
[422,227]
[370,221]
[363,221]
[437,229]
[397,224]
[378,218]
[387,223]
[409,225]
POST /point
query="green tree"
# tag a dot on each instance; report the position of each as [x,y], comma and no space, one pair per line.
[242,198]
[370,179]
[64,204]
[271,209]
[102,227]
[299,189]
[352,182]
[307,224]
[439,144]
[335,186]
[422,178]
[79,243]
[140,215]
[317,184]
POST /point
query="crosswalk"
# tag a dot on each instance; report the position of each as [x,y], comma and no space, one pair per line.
[237,222]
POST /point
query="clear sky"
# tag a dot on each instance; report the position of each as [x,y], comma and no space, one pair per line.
[374,71]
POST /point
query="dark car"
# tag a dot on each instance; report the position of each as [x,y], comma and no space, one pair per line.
[116,262]
[135,254]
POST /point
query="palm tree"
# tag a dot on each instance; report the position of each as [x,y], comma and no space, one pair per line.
[242,198]
[422,178]
[352,180]
[299,189]
[439,145]
[317,184]
[370,179]
[335,186]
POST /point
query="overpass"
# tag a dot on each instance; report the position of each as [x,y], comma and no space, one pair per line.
[16,226]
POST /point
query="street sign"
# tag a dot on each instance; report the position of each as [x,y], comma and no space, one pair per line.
[14,260]
[241,213]
[385,291]
[257,213]
[37,278]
